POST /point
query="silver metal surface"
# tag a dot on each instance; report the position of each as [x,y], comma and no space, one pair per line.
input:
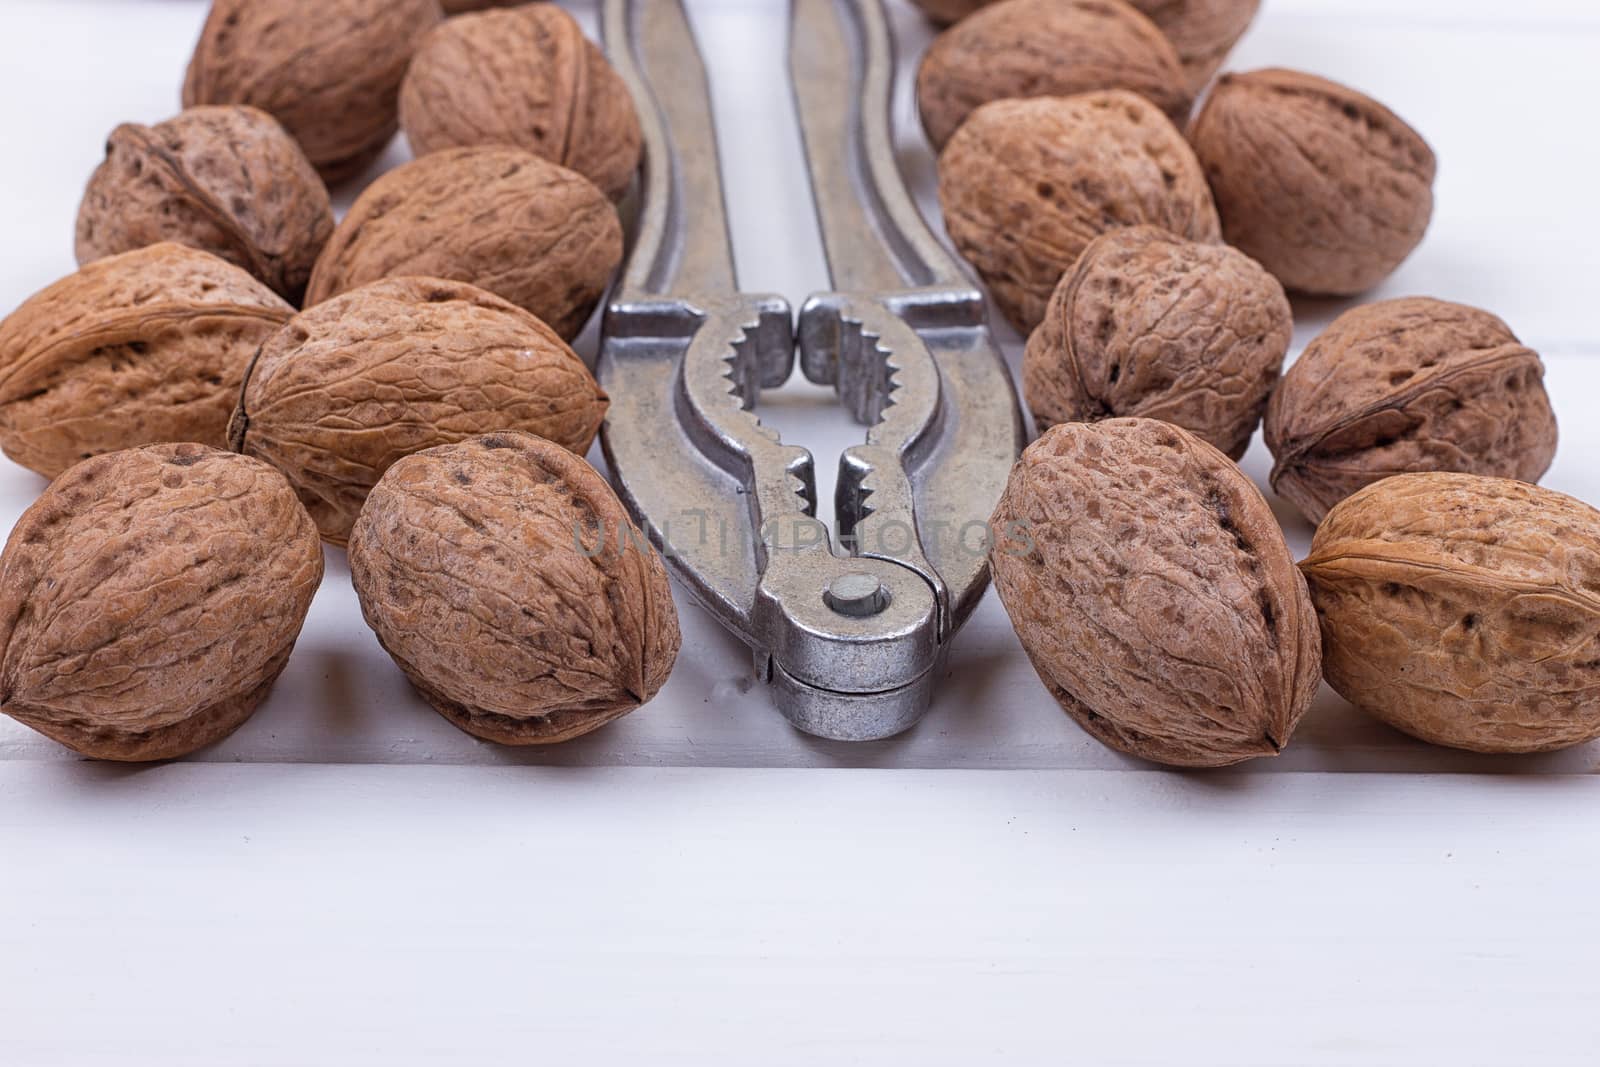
[850,636]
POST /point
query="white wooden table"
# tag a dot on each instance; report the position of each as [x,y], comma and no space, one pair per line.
[350,880]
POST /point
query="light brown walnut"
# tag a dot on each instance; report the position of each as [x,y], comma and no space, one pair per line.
[1325,187]
[226,180]
[1407,386]
[1023,48]
[504,577]
[502,219]
[1149,324]
[136,349]
[149,598]
[1026,185]
[355,384]
[525,77]
[1202,31]
[1153,591]
[1464,610]
[330,71]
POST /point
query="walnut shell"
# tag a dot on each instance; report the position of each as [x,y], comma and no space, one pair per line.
[456,7]
[1327,188]
[506,580]
[149,598]
[1154,593]
[532,232]
[1202,31]
[1464,610]
[353,385]
[527,78]
[226,180]
[1026,185]
[1023,48]
[136,349]
[329,71]
[1149,324]
[1403,386]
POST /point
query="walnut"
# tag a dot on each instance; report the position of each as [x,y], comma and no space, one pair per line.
[226,180]
[1154,593]
[1462,610]
[397,366]
[1024,48]
[1408,385]
[1327,188]
[136,349]
[527,78]
[149,598]
[1027,184]
[329,71]
[1152,325]
[1202,31]
[456,7]
[504,577]
[532,232]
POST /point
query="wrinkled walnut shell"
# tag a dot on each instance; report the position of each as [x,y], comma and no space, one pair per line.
[1325,187]
[529,231]
[226,180]
[527,78]
[1148,324]
[456,7]
[1154,593]
[1202,31]
[1023,48]
[506,580]
[1406,386]
[353,385]
[329,71]
[136,349]
[1464,610]
[149,598]
[1026,185]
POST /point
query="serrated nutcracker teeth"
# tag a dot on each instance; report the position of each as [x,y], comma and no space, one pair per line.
[850,642]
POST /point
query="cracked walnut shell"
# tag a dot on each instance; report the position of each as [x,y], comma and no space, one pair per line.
[528,78]
[527,230]
[226,180]
[506,580]
[1024,48]
[1406,386]
[1325,187]
[352,385]
[1149,324]
[1026,185]
[149,598]
[1202,31]
[329,71]
[136,349]
[1464,610]
[1154,593]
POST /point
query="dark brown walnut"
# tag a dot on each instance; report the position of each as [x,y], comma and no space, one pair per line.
[226,180]
[1405,386]
[136,349]
[330,71]
[149,599]
[1154,593]
[1464,610]
[504,577]
[1327,188]
[353,385]
[1023,48]
[1149,324]
[1026,185]
[528,78]
[1202,31]
[536,234]
[456,7]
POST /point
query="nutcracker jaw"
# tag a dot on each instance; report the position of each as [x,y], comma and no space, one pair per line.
[851,637]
